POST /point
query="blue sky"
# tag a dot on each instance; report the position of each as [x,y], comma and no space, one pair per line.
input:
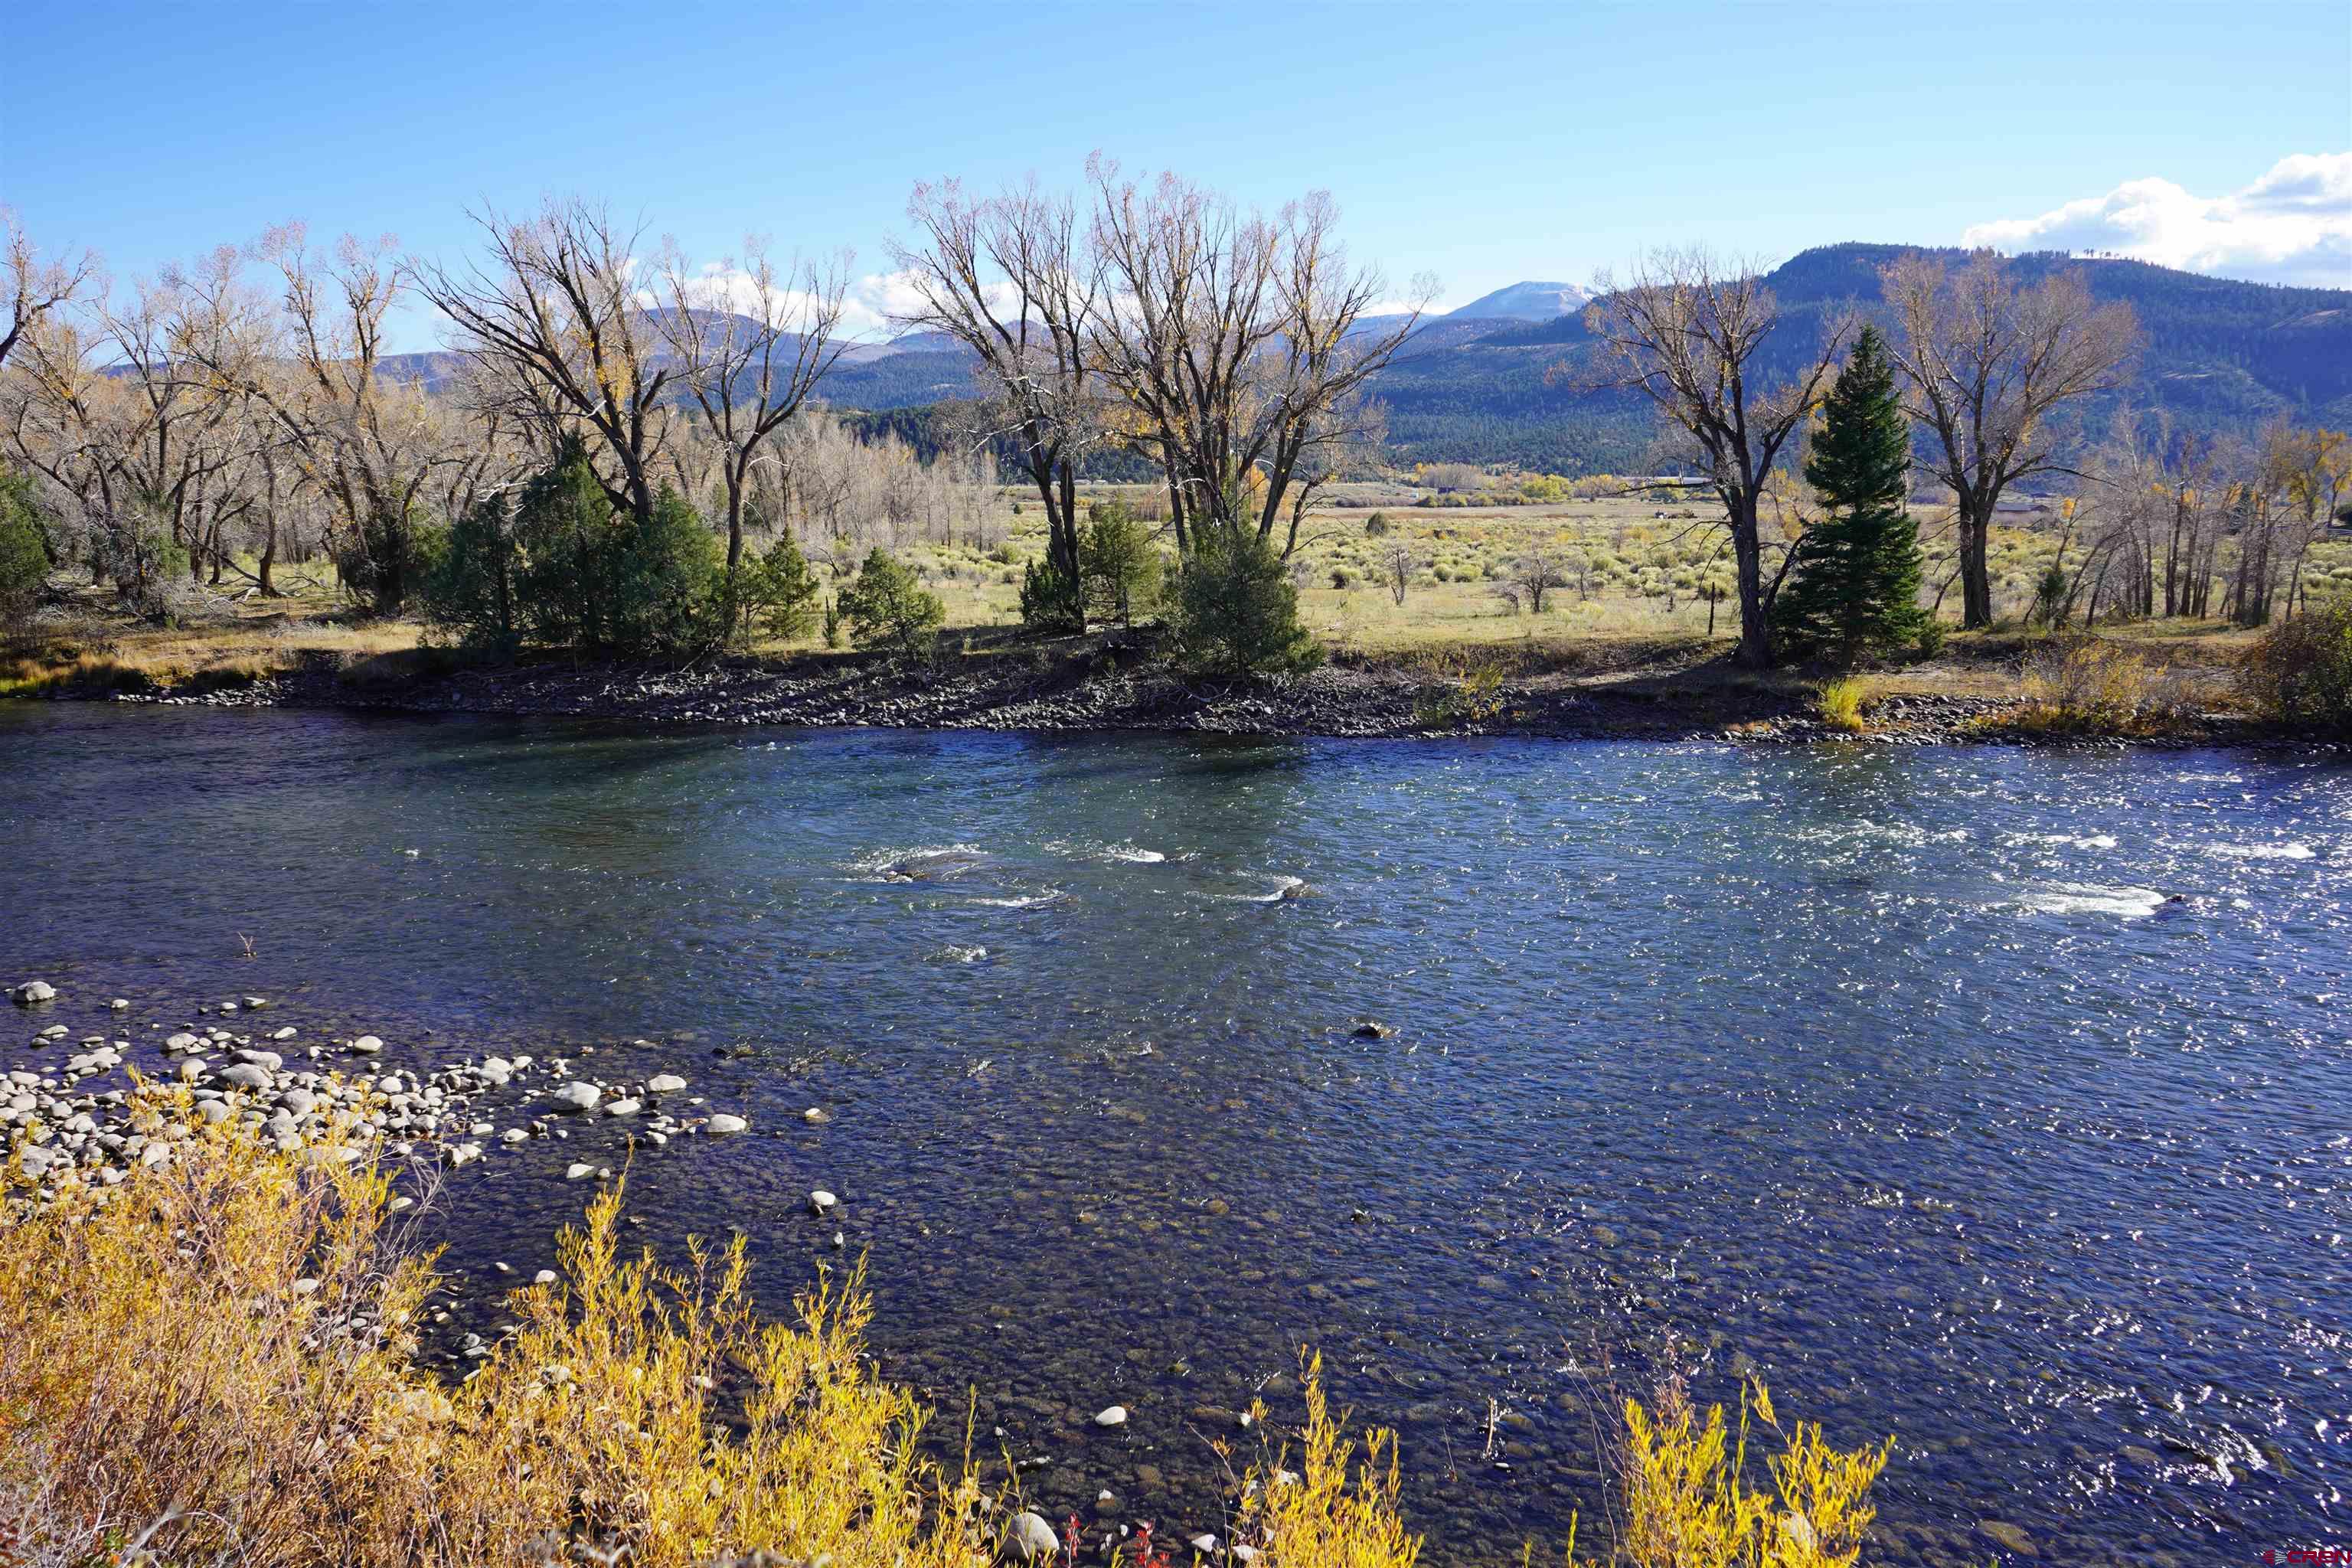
[1485,142]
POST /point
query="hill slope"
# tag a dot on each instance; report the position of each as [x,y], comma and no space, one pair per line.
[2220,355]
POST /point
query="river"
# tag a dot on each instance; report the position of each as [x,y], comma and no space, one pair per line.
[1899,1076]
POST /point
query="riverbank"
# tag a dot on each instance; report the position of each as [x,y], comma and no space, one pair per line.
[1636,689]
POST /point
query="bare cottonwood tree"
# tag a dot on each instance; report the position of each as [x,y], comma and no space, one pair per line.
[1534,578]
[34,287]
[373,445]
[552,316]
[1685,330]
[750,344]
[1010,278]
[175,437]
[1231,340]
[1987,364]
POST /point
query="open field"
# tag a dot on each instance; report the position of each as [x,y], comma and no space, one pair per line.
[1633,608]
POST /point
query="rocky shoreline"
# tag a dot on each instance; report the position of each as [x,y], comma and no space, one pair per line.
[85,1118]
[90,1105]
[1105,685]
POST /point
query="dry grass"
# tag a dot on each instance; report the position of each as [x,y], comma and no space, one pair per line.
[2091,686]
[1839,703]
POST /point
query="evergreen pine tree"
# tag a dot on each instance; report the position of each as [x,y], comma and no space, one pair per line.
[1853,587]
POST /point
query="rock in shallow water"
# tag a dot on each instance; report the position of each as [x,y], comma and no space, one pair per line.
[33,991]
[1029,1538]
[723,1123]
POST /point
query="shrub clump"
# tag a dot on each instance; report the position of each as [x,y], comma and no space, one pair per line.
[568,569]
[1236,611]
[1118,565]
[886,607]
[2301,670]
[24,552]
[217,1358]
[1052,601]
[2084,686]
[1841,703]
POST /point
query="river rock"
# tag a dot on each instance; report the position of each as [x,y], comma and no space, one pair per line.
[1029,1538]
[2007,1535]
[822,1202]
[1111,1416]
[33,991]
[367,1044]
[665,1083]
[246,1075]
[579,1095]
[724,1123]
[120,1005]
[625,1108]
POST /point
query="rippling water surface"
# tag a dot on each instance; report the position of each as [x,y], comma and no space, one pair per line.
[1998,1100]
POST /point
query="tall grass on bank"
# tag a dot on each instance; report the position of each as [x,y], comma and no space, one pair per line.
[216,1360]
[1841,703]
[2085,686]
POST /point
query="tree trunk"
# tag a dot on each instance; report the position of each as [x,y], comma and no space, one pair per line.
[1976,574]
[1747,544]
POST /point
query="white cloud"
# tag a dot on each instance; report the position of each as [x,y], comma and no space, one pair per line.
[2294,225]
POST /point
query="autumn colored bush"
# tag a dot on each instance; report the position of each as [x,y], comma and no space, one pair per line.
[217,1361]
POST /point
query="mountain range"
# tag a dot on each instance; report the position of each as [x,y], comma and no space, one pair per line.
[1507,378]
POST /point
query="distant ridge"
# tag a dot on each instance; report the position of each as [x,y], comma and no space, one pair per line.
[1524,302]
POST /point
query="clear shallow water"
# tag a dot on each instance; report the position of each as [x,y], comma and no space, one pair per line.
[1890,1074]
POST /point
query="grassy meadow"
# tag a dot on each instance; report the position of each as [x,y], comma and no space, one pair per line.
[1646,587]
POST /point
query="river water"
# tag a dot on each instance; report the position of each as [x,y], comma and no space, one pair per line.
[1893,1076]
